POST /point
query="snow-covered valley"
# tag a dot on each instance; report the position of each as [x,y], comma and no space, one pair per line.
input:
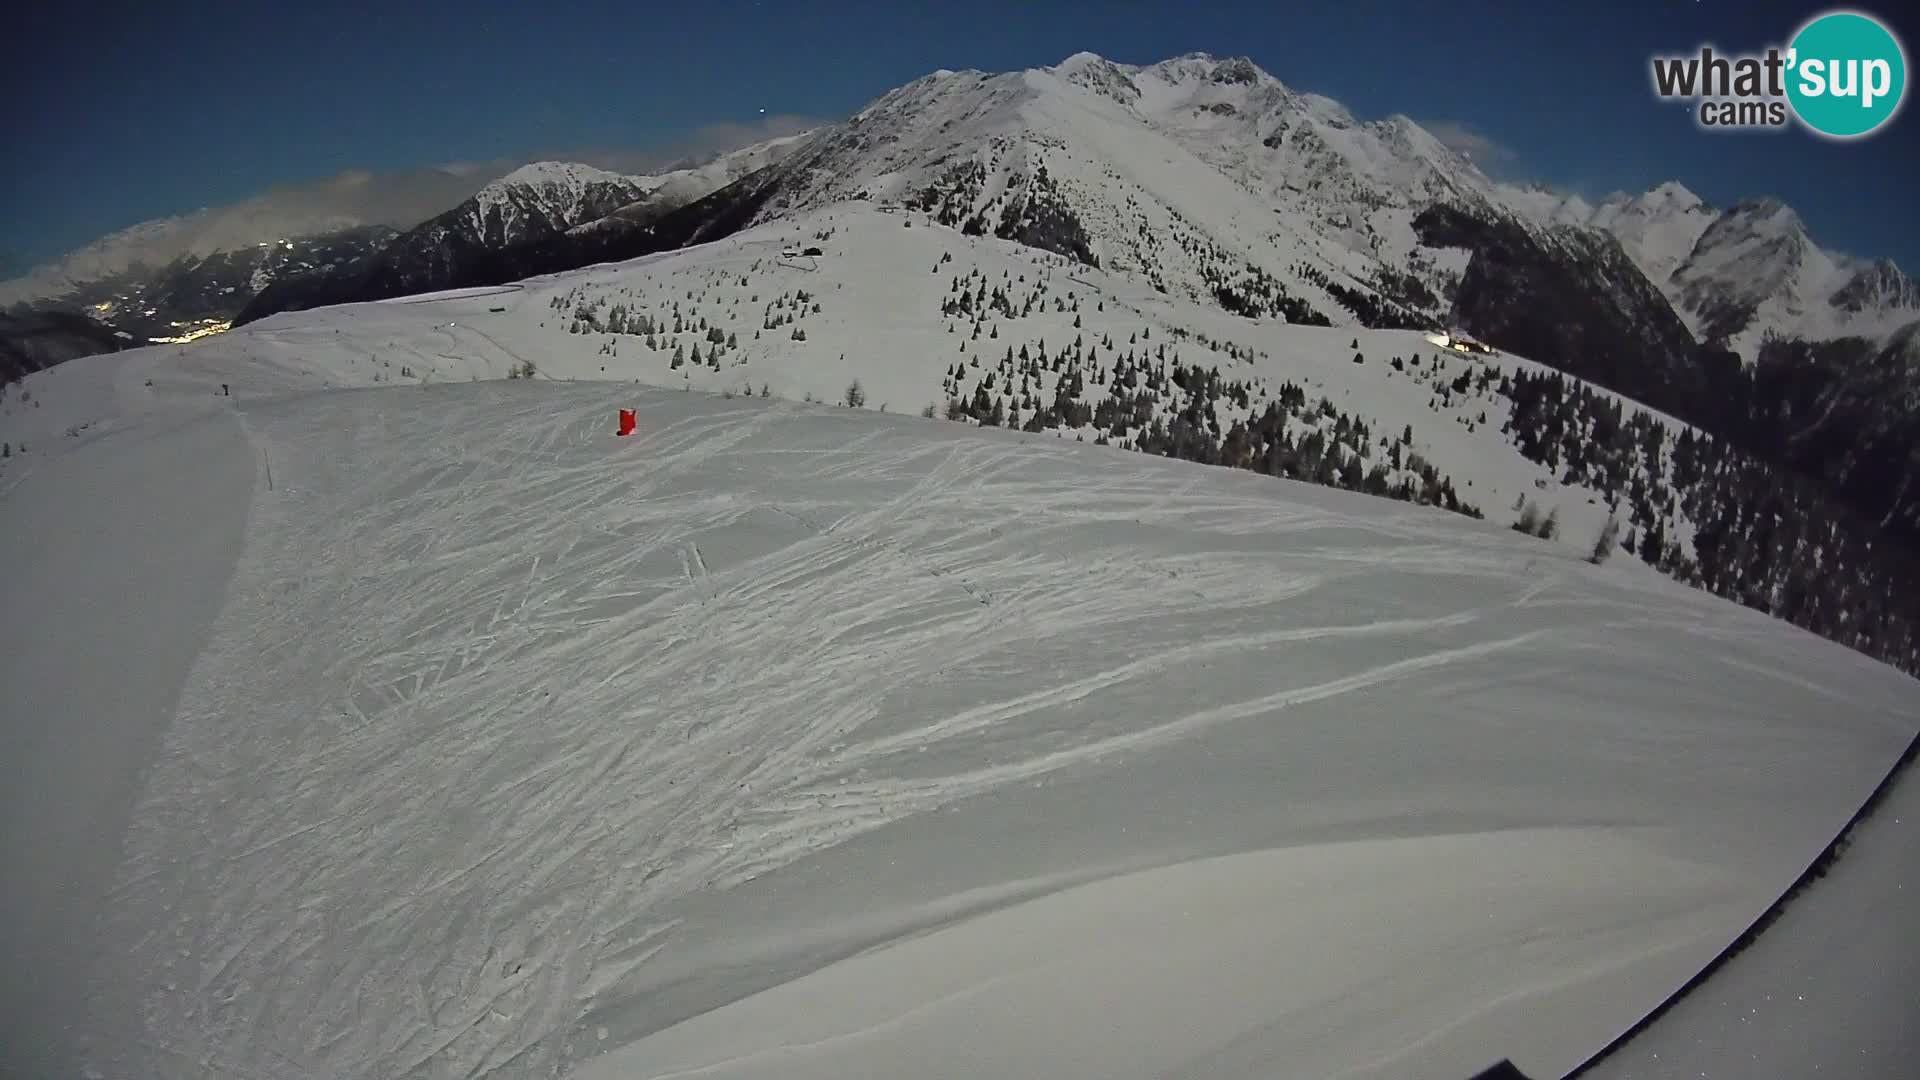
[392,717]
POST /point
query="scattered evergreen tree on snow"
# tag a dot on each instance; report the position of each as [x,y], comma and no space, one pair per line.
[1603,545]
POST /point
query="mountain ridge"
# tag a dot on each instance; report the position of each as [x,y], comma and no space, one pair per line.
[541,224]
[1744,273]
[349,200]
[179,278]
[1214,182]
[1330,174]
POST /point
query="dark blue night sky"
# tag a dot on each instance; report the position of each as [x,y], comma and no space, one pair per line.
[122,112]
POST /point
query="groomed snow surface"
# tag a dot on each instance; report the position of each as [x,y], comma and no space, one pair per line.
[791,740]
[1829,989]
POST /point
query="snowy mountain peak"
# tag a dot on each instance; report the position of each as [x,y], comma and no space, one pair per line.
[1755,232]
[544,198]
[1200,67]
[1672,195]
[1658,227]
[1737,275]
[1543,205]
[1102,76]
[1238,69]
[1080,61]
[568,175]
[1211,178]
[944,75]
[1259,186]
[1222,68]
[1877,285]
[1753,271]
[1766,215]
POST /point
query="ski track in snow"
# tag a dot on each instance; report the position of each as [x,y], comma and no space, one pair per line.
[494,694]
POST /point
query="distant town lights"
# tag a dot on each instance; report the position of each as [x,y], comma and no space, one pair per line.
[206,330]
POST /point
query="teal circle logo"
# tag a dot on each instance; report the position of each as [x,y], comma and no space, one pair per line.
[1846,74]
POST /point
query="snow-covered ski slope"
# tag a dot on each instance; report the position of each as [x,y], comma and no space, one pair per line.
[879,289]
[788,739]
[1824,990]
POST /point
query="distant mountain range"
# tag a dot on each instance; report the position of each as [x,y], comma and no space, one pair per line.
[178,278]
[1211,194]
[1301,198]
[1302,194]
[1210,179]
[1745,273]
[541,218]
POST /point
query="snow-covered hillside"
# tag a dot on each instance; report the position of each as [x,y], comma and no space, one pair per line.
[1204,176]
[685,184]
[997,332]
[1208,179]
[883,305]
[548,197]
[1197,174]
[788,739]
[194,275]
[1201,173]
